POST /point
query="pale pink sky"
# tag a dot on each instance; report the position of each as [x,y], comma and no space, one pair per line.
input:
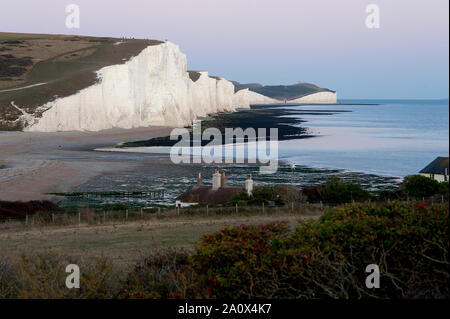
[276,41]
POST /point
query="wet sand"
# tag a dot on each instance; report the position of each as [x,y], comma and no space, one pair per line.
[39,163]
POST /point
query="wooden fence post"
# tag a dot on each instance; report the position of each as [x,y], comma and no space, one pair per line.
[263,208]
[79,218]
[53,218]
[236,208]
[26,219]
[142,213]
[207,210]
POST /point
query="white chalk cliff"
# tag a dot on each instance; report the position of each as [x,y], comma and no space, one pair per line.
[245,97]
[317,98]
[152,88]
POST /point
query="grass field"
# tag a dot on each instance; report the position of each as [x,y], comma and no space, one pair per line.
[61,66]
[125,242]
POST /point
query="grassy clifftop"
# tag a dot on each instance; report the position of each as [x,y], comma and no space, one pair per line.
[37,68]
[281,92]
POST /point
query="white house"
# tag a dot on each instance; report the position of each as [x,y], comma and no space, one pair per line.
[437,169]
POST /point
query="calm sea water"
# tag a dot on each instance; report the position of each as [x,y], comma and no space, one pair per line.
[394,138]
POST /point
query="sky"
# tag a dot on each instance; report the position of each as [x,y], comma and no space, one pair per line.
[325,42]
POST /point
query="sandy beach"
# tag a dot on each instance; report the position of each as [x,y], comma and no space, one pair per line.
[39,163]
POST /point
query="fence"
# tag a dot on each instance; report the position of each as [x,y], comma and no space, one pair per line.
[87,216]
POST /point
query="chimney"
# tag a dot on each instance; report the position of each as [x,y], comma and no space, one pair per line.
[249,185]
[199,179]
[216,180]
[223,180]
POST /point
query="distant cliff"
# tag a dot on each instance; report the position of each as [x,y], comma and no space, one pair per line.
[297,93]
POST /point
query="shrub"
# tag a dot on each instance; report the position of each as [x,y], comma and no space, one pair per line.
[42,275]
[165,274]
[420,186]
[7,279]
[327,258]
[21,209]
[13,66]
[409,243]
[443,189]
[395,194]
[235,260]
[336,191]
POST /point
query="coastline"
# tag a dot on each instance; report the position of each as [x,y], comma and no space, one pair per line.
[41,163]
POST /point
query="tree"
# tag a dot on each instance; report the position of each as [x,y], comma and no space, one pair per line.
[420,186]
[335,190]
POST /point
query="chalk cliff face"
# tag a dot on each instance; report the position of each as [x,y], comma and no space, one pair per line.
[317,98]
[152,88]
[245,97]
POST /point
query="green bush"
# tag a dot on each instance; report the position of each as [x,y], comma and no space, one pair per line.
[235,260]
[443,189]
[422,186]
[337,191]
[327,258]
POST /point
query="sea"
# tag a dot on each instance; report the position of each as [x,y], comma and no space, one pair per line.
[382,137]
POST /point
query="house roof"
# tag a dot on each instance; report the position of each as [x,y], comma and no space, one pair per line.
[206,195]
[437,166]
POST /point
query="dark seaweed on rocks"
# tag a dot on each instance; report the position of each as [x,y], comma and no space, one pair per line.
[256,118]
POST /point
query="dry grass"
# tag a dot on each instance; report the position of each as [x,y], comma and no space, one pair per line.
[126,242]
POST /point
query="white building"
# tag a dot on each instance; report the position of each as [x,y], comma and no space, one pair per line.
[437,169]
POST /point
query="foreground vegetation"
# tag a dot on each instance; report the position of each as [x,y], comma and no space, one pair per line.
[324,258]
